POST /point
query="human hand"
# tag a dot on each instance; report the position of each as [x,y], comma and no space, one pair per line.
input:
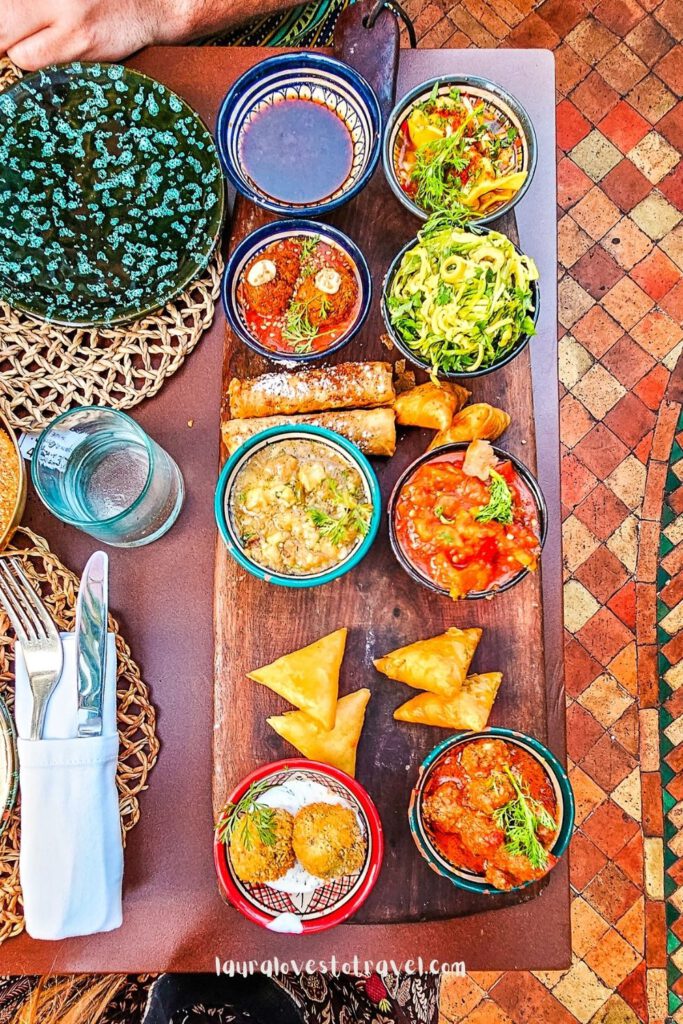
[34,33]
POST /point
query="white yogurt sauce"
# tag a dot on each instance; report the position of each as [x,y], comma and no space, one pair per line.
[328,280]
[262,272]
[287,924]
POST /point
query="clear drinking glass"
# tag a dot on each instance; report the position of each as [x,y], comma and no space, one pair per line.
[99,471]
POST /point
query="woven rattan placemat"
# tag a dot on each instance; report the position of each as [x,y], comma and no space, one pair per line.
[46,369]
[138,743]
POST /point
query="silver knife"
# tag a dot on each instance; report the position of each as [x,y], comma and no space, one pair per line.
[91,643]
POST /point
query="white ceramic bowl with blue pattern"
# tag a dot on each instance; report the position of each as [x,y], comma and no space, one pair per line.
[301,76]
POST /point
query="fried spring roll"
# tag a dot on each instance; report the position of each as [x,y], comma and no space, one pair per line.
[373,430]
[346,386]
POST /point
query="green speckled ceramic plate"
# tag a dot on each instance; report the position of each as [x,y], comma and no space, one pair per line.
[111,194]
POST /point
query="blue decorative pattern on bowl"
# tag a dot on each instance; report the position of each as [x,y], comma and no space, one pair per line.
[348,451]
[564,795]
[301,76]
[267,235]
[111,194]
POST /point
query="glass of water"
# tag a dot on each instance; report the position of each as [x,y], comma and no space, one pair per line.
[98,470]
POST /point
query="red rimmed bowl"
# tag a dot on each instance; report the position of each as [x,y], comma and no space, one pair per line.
[334,901]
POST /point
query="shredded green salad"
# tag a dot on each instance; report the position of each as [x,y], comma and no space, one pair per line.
[460,300]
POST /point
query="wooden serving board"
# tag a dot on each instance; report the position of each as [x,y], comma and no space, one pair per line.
[382,607]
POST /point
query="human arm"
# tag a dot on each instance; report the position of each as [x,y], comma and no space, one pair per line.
[34,33]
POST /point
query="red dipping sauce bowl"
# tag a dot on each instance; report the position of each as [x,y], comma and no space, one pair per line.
[529,489]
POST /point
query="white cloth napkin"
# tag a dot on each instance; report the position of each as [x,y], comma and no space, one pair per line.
[71,854]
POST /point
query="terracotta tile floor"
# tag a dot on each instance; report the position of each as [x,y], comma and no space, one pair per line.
[620,191]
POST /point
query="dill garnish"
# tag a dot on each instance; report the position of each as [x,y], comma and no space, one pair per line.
[309,244]
[500,502]
[298,328]
[438,165]
[250,817]
[520,819]
[337,529]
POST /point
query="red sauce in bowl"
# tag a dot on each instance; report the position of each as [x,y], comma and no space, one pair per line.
[437,530]
[462,805]
[290,314]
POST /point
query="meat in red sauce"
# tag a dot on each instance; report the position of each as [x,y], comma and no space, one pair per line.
[461,799]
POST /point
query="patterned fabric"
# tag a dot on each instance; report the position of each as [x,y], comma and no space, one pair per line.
[317,999]
[309,24]
[385,999]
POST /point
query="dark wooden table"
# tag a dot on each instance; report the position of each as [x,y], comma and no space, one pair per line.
[173,916]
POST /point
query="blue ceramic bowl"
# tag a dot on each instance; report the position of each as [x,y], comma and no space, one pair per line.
[226,481]
[496,99]
[563,792]
[259,240]
[301,76]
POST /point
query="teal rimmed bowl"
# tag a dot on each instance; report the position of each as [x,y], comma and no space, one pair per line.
[563,793]
[226,482]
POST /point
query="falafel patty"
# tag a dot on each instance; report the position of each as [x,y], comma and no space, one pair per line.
[255,861]
[273,297]
[327,840]
[325,310]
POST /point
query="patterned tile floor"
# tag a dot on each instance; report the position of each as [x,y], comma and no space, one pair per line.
[620,131]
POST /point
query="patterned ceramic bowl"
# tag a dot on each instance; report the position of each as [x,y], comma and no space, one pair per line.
[300,76]
[266,236]
[415,359]
[405,562]
[341,447]
[563,794]
[501,108]
[332,901]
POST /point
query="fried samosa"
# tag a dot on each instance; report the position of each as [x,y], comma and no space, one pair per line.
[309,678]
[337,746]
[480,421]
[430,405]
[469,708]
[438,664]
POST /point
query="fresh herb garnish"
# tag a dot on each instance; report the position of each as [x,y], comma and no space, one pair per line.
[500,502]
[520,820]
[309,245]
[337,528]
[298,328]
[248,819]
[438,166]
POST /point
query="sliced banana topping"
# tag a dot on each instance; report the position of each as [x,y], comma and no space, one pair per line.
[328,280]
[262,272]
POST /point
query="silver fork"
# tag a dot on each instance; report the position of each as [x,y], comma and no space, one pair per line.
[40,641]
